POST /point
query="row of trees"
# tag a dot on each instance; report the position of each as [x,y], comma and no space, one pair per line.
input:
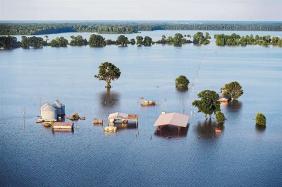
[96,40]
[237,40]
[123,27]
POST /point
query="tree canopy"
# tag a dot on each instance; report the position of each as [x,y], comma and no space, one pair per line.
[207,103]
[232,90]
[97,41]
[78,41]
[260,120]
[122,41]
[181,82]
[59,42]
[108,72]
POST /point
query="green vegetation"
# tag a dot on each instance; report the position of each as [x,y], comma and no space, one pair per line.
[132,41]
[97,41]
[78,41]
[124,27]
[122,41]
[34,42]
[200,39]
[237,40]
[181,82]
[59,42]
[139,40]
[260,120]
[177,40]
[232,90]
[219,116]
[207,103]
[8,42]
[146,41]
[108,72]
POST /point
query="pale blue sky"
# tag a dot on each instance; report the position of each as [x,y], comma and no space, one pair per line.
[141,9]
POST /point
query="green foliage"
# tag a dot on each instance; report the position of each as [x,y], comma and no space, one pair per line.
[96,41]
[260,120]
[78,41]
[139,40]
[122,41]
[147,41]
[108,72]
[59,42]
[126,27]
[219,116]
[177,40]
[181,82]
[8,42]
[208,102]
[237,40]
[200,39]
[34,42]
[132,41]
[232,90]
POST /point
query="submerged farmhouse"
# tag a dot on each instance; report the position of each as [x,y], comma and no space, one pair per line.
[52,112]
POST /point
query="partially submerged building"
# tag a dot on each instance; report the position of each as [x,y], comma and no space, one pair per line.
[175,120]
[52,112]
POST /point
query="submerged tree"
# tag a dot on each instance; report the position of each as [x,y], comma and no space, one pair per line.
[207,103]
[122,41]
[260,120]
[139,40]
[232,90]
[219,116]
[108,72]
[181,82]
[97,41]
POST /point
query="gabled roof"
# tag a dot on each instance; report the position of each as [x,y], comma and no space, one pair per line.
[175,119]
[118,115]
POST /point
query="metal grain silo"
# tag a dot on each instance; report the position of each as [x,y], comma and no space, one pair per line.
[48,112]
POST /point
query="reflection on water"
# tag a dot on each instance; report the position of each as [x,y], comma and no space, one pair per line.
[209,129]
[260,129]
[109,99]
[171,132]
[234,106]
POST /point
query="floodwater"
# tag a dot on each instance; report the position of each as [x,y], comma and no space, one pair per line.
[32,155]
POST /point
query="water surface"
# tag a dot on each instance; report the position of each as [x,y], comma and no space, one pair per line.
[31,155]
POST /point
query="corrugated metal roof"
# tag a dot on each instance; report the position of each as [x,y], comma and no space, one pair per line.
[175,119]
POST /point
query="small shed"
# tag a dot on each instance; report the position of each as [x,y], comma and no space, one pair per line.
[48,112]
[172,119]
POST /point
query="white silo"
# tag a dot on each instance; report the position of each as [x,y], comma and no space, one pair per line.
[48,112]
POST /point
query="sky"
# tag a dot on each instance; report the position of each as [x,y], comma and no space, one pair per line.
[141,10]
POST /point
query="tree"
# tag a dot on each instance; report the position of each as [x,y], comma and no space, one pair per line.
[260,120]
[207,103]
[181,82]
[219,116]
[122,41]
[108,72]
[97,41]
[132,41]
[147,41]
[232,90]
[139,40]
[59,42]
[78,41]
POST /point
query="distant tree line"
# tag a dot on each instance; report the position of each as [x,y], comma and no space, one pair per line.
[96,40]
[131,27]
[236,40]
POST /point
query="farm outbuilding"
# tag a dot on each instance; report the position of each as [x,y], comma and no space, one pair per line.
[48,112]
[52,112]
